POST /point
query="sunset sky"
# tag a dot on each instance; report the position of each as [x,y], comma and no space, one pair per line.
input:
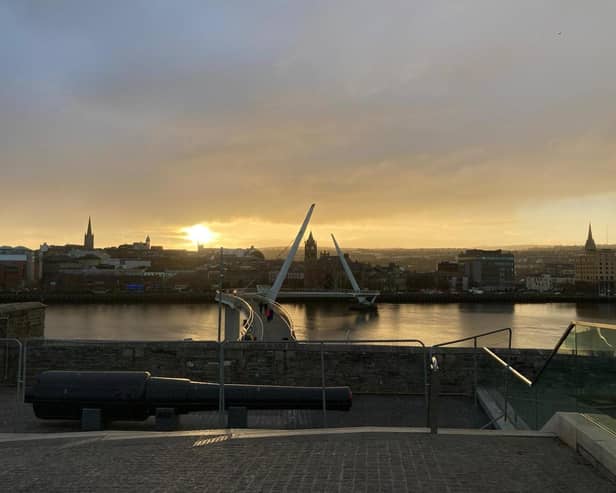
[410,124]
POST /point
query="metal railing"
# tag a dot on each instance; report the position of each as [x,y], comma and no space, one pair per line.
[19,382]
[429,360]
[475,338]
[220,348]
[478,336]
[322,344]
[285,315]
[240,304]
[509,368]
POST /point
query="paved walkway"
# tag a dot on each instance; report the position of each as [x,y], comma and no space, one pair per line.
[319,462]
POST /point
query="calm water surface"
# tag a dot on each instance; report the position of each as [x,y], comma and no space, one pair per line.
[534,325]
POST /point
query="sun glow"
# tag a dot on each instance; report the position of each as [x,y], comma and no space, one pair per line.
[200,234]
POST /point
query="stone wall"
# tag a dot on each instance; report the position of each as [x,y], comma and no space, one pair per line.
[22,320]
[17,321]
[366,369]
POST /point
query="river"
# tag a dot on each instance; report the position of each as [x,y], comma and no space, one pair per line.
[534,325]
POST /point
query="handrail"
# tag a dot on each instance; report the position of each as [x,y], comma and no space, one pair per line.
[477,336]
[251,315]
[510,368]
[286,316]
[252,292]
[261,332]
[556,348]
[563,337]
[365,341]
[474,338]
[249,324]
[599,325]
[346,341]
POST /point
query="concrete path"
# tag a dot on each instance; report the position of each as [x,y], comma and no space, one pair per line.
[297,461]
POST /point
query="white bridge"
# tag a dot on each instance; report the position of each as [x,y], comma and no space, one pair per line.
[341,294]
[263,318]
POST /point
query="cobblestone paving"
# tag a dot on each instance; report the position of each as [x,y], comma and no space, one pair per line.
[347,462]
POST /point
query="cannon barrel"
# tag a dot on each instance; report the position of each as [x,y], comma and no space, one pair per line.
[134,395]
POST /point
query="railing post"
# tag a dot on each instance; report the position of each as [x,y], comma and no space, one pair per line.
[221,385]
[506,392]
[6,359]
[435,389]
[323,396]
[23,367]
[19,362]
[426,383]
[536,399]
[475,369]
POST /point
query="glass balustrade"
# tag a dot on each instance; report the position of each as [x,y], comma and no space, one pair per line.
[579,376]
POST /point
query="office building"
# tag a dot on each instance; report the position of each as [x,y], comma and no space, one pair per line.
[488,270]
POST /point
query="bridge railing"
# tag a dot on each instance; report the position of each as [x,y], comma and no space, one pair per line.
[282,312]
[252,324]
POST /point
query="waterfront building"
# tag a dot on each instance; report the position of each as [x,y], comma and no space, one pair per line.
[595,269]
[489,270]
[542,283]
[88,239]
[18,268]
[449,277]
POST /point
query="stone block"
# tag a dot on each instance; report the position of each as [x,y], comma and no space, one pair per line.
[166,419]
[92,419]
[237,417]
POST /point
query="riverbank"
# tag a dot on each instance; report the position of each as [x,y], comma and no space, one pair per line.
[208,297]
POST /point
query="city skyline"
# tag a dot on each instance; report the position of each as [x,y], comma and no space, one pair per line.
[410,124]
[198,236]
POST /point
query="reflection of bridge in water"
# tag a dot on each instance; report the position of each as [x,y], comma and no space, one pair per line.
[263,318]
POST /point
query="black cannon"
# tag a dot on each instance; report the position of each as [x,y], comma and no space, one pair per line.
[134,395]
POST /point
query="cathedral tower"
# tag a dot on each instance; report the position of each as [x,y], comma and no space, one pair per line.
[311,269]
[310,249]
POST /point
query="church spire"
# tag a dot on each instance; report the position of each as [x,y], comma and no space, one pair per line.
[88,239]
[590,245]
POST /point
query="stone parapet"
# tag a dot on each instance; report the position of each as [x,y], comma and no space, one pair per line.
[380,369]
